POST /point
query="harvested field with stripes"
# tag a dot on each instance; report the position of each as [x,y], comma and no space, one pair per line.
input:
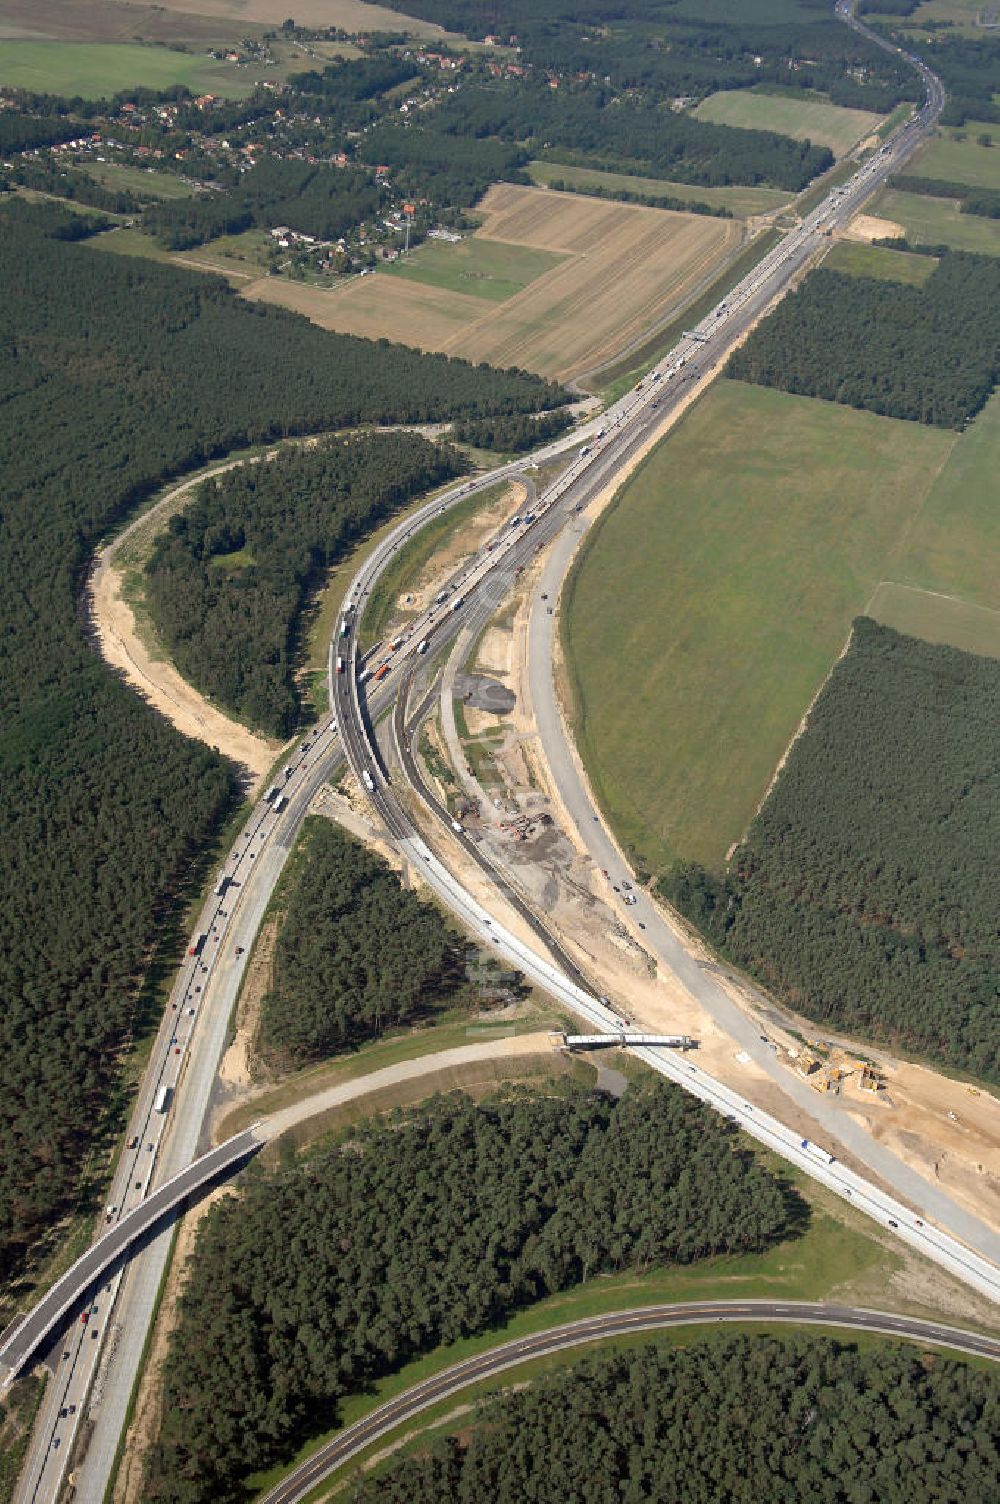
[621,269]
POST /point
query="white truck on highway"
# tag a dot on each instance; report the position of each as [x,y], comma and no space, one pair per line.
[814,1149]
[368,780]
[163,1099]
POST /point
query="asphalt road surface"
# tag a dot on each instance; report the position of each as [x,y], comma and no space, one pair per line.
[451,1381]
[188,1049]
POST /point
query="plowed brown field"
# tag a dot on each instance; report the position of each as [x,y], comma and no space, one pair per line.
[626,269]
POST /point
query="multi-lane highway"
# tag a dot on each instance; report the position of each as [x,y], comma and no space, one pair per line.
[381,1422]
[974,1253]
[164,1137]
[165,1133]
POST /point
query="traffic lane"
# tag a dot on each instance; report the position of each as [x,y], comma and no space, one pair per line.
[450,1381]
[133,1311]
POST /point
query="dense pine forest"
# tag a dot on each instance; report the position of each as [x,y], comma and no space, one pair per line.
[928,353]
[597,126]
[115,375]
[421,1229]
[227,582]
[356,954]
[742,1420]
[865,892]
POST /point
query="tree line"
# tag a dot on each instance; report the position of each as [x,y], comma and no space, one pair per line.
[863,894]
[421,1229]
[982,201]
[593,125]
[228,581]
[118,374]
[513,434]
[926,353]
[324,202]
[356,953]
[648,200]
[734,1421]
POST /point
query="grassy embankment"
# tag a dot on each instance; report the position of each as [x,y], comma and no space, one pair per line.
[403,573]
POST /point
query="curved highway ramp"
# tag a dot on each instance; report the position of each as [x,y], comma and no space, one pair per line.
[380,1422]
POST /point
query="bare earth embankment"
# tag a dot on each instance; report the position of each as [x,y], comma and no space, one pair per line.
[153,676]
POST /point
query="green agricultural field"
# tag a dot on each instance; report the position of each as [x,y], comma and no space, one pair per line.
[962,17]
[859,260]
[813,119]
[740,202]
[936,618]
[938,221]
[955,156]
[954,545]
[715,593]
[127,179]
[488,269]
[98,69]
[126,240]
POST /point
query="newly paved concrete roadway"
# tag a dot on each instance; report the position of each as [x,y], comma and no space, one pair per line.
[646,1319]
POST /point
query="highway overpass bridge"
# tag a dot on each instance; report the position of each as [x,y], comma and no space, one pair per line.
[628,1040]
[25,1336]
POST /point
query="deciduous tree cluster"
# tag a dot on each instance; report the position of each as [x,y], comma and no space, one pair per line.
[420,1230]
